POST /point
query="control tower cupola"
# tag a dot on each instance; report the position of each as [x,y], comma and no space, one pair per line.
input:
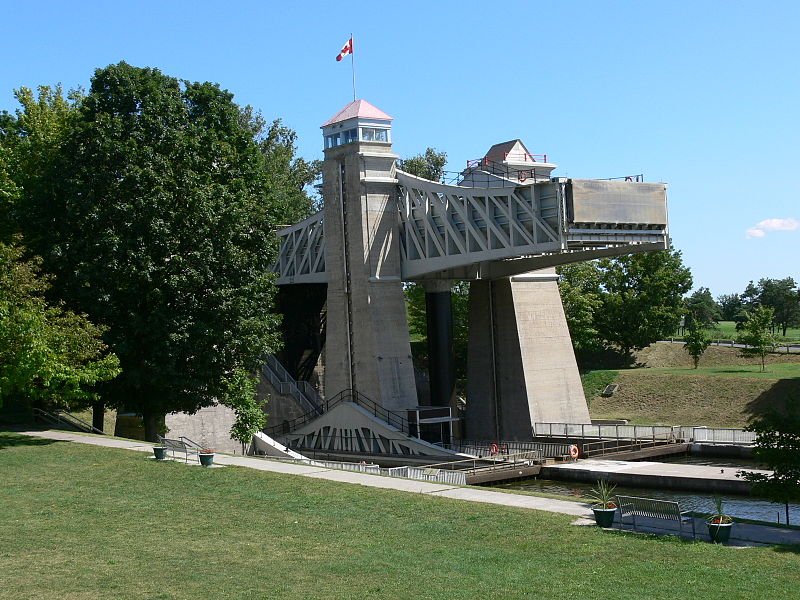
[360,122]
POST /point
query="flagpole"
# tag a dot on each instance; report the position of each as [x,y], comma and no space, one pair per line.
[353,65]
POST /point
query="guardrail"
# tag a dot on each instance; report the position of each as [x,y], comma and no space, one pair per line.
[700,434]
[716,435]
[603,447]
[585,430]
[484,448]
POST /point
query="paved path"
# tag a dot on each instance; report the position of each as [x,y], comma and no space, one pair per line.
[744,534]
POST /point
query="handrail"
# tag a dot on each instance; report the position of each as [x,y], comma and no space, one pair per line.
[280,378]
[715,435]
[497,461]
[62,416]
[191,443]
[602,448]
[349,395]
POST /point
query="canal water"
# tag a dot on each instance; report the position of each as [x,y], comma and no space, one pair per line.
[745,507]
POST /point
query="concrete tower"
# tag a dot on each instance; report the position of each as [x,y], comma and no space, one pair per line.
[367,345]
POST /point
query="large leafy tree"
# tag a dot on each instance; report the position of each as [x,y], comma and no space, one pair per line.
[161,227]
[579,286]
[730,305]
[33,143]
[642,298]
[429,165]
[288,176]
[47,355]
[702,309]
[783,297]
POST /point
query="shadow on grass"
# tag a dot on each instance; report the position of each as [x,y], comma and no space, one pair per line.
[774,398]
[718,370]
[9,439]
[794,549]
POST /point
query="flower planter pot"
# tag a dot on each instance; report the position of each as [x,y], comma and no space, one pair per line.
[604,517]
[206,459]
[160,452]
[719,533]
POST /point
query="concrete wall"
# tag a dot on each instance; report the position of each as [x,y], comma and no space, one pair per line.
[209,427]
[521,366]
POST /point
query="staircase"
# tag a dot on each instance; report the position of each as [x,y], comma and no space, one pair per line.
[302,391]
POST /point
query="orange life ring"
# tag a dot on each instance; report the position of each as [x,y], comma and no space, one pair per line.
[521,176]
[493,448]
[573,451]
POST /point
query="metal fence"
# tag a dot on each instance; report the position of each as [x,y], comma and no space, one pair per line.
[715,435]
[534,450]
[629,432]
[723,436]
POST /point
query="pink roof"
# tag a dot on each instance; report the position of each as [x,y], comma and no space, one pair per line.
[358,108]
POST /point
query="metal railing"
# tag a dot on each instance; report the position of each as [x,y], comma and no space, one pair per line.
[392,418]
[486,448]
[585,430]
[303,392]
[605,447]
[716,435]
[61,417]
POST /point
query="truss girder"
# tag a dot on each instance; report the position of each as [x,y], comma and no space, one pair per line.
[458,232]
[301,258]
[446,226]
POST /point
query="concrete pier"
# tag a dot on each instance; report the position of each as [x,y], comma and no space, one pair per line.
[521,367]
[698,478]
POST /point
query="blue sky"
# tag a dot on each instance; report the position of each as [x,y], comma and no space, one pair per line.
[701,95]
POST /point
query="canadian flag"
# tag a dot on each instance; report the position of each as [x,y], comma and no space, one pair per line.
[347,49]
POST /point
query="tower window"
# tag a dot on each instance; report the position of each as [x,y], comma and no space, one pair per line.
[372,134]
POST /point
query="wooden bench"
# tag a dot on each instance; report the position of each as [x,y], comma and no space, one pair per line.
[650,508]
[178,446]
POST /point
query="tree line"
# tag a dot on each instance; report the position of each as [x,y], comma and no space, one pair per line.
[137,235]
[780,295]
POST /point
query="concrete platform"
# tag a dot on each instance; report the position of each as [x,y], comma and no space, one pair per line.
[673,476]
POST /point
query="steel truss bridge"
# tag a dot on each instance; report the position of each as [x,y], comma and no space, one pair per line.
[467,232]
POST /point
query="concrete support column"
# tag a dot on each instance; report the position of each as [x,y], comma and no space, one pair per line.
[367,345]
[521,366]
[439,319]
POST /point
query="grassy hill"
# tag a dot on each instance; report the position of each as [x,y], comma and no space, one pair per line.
[724,392]
[83,522]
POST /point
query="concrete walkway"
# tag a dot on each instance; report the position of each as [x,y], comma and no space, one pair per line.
[743,534]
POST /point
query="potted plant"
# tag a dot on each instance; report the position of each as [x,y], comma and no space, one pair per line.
[604,507]
[719,524]
[160,452]
[206,456]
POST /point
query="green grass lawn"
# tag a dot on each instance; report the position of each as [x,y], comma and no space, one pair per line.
[87,522]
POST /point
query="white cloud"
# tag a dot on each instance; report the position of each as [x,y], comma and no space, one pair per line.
[761,228]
